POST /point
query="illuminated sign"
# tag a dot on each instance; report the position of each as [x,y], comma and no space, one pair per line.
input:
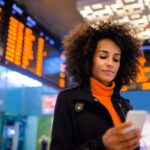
[48,103]
[27,47]
[135,11]
[143,79]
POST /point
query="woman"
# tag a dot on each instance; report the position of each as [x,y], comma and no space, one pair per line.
[101,57]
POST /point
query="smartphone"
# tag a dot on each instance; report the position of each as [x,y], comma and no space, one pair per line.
[137,117]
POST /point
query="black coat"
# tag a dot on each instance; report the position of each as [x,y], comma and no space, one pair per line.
[80,120]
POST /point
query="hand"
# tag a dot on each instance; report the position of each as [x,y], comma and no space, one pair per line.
[116,139]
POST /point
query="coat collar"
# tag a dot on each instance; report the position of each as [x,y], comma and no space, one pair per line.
[83,91]
[83,94]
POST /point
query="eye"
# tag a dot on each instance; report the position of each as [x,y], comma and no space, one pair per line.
[103,57]
[117,59]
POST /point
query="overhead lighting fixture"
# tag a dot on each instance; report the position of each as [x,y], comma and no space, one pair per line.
[18,80]
[134,11]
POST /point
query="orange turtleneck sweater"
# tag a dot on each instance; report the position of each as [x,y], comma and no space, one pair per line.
[103,94]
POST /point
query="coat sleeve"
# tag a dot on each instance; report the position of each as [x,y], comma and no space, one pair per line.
[62,134]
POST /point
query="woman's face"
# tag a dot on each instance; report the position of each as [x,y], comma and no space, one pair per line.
[106,61]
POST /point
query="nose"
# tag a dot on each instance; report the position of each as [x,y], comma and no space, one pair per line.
[110,61]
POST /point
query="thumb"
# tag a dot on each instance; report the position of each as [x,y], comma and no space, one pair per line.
[122,127]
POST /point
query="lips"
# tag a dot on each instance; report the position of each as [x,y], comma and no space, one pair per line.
[108,72]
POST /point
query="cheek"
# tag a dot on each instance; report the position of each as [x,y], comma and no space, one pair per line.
[96,67]
[95,63]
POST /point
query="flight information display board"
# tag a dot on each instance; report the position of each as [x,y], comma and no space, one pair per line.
[27,47]
[142,82]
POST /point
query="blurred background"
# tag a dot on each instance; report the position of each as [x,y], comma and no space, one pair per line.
[32,71]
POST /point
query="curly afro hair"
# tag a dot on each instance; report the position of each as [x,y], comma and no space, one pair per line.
[79,47]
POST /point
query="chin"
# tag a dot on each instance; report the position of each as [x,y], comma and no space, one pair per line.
[107,81]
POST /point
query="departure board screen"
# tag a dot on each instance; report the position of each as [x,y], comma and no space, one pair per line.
[142,82]
[28,47]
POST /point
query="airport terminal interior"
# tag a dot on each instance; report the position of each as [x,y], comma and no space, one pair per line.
[32,69]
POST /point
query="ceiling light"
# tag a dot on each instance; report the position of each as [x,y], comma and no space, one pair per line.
[134,11]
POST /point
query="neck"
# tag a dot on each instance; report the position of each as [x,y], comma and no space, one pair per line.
[100,89]
[105,83]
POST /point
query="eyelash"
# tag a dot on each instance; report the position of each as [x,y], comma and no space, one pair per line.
[104,57]
[116,60]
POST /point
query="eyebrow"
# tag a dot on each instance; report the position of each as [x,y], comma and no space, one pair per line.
[105,51]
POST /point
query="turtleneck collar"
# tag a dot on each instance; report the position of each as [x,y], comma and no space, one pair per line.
[100,89]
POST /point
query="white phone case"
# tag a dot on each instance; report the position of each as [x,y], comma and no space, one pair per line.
[137,117]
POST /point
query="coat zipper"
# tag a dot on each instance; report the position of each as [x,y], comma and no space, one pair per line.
[122,109]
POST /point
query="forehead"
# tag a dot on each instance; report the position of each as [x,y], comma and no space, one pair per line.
[108,45]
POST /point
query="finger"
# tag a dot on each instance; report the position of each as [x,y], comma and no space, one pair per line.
[133,142]
[136,133]
[136,145]
[130,145]
[122,127]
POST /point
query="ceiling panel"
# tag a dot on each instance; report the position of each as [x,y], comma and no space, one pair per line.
[135,11]
[57,16]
